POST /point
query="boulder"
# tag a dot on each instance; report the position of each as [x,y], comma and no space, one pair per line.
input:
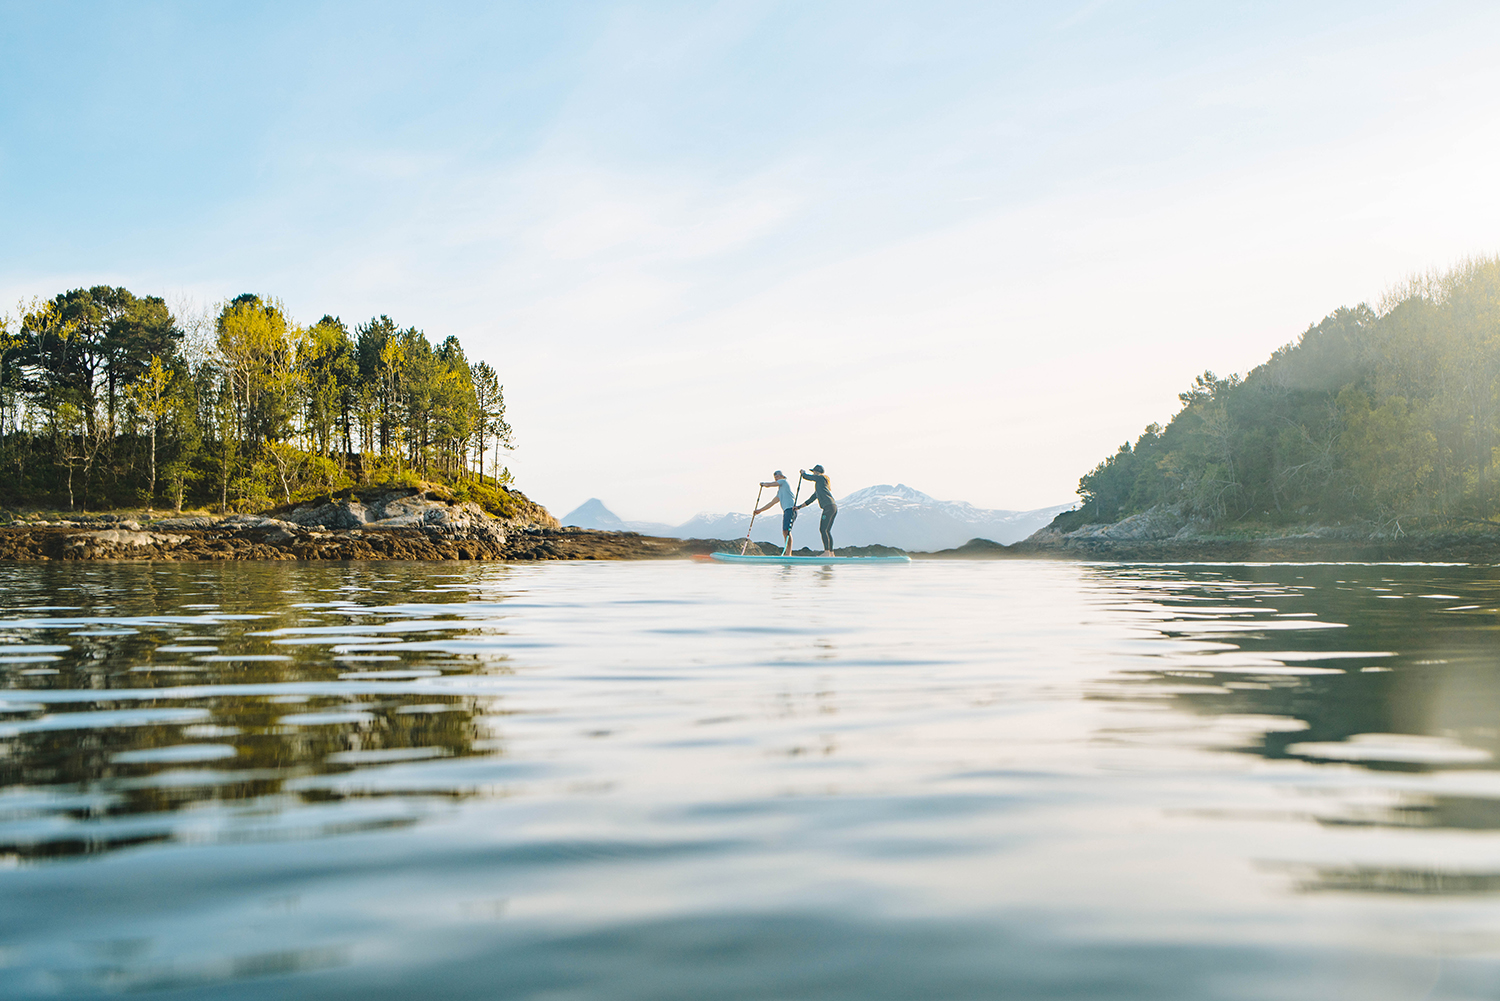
[126,537]
[186,521]
[404,507]
[272,531]
[336,514]
[1159,522]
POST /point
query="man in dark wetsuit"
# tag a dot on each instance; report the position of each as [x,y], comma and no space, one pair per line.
[823,494]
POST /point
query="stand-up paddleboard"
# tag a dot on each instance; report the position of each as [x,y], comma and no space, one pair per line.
[737,558]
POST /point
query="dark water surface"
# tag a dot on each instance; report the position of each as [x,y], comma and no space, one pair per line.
[675,780]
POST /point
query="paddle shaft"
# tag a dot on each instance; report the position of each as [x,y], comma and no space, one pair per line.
[753,512]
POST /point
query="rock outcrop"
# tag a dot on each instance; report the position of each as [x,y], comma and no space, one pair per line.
[430,510]
[252,538]
[1153,525]
[129,537]
[433,511]
[371,523]
[1163,534]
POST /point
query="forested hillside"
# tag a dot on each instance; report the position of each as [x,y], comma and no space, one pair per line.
[108,399]
[1385,415]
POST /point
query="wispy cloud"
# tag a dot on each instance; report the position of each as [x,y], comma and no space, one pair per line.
[970,250]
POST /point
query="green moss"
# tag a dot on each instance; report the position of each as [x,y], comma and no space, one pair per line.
[494,499]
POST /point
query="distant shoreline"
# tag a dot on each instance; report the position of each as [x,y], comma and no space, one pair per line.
[265,539]
[241,542]
[1435,547]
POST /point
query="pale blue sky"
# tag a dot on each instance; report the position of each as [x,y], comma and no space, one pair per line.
[970,247]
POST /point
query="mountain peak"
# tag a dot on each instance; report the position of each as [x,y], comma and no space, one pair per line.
[884,491]
[593,514]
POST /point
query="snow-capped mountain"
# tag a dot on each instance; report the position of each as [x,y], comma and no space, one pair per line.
[924,524]
[885,515]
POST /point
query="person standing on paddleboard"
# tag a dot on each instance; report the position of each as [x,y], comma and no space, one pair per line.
[823,494]
[788,504]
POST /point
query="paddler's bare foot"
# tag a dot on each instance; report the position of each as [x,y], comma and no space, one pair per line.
[828,552]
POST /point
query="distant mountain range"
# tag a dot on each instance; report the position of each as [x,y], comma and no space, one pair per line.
[882,515]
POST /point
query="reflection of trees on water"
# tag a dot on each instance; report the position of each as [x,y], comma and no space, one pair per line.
[1440,682]
[1394,879]
[1440,685]
[79,771]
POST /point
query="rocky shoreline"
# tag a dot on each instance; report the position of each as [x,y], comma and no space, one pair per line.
[404,523]
[1425,548]
[429,523]
[266,539]
[271,542]
[256,541]
[1164,535]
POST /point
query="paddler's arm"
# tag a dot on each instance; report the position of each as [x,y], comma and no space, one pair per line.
[812,478]
[770,503]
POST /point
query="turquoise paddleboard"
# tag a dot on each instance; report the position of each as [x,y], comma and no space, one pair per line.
[737,558]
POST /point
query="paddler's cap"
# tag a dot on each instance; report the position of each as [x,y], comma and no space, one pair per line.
[779,475]
[817,469]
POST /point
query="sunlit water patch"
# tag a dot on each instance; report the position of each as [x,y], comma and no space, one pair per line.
[676,780]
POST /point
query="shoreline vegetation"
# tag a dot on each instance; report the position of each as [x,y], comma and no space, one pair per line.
[1381,422]
[1375,436]
[112,400]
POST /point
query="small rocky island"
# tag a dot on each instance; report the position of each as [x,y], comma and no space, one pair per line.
[425,522]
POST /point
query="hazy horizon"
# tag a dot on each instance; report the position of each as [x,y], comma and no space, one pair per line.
[967,247]
[841,497]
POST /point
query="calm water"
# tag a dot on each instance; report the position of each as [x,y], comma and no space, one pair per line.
[676,780]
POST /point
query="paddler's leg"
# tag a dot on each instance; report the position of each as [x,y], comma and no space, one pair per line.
[825,528]
[788,515]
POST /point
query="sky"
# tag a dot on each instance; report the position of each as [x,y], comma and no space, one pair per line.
[969,247]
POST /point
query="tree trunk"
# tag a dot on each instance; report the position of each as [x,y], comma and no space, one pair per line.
[88,467]
[151,494]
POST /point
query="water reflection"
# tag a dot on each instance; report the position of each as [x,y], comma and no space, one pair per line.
[1030,780]
[230,708]
[1405,683]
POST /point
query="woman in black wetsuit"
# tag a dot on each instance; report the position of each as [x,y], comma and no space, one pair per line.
[823,494]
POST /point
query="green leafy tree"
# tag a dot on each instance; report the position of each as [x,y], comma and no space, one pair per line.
[1388,414]
[102,385]
[151,394]
[489,424]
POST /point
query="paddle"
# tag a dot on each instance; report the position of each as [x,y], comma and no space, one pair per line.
[753,512]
